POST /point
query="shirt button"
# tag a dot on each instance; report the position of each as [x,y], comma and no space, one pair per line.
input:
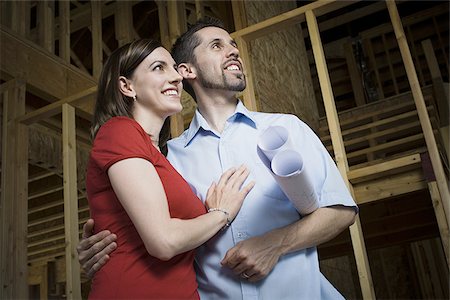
[240,235]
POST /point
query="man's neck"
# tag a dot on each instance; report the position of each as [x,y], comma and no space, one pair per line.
[216,109]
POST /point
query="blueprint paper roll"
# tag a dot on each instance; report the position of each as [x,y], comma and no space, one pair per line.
[275,149]
[290,173]
[274,139]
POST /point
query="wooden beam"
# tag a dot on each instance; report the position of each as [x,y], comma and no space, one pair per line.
[389,186]
[436,162]
[383,169]
[359,247]
[97,40]
[47,76]
[14,190]
[55,108]
[73,286]
[288,19]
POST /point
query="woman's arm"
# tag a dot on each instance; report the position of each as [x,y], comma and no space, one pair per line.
[140,191]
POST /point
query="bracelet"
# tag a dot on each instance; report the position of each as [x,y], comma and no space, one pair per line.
[227,214]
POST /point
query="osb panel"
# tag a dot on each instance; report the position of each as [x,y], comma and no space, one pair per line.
[340,271]
[280,65]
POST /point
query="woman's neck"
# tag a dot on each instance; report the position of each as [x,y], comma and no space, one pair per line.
[151,124]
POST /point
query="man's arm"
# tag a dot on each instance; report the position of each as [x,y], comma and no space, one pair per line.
[94,250]
[257,256]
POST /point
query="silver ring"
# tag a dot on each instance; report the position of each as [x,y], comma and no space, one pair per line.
[245,276]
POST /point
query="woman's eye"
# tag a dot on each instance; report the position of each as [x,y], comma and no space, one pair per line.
[158,68]
[215,46]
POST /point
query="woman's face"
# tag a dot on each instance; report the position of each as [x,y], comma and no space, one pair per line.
[157,84]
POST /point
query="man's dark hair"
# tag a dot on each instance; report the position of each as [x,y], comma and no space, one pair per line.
[183,49]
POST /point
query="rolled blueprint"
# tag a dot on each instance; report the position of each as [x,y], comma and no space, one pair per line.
[288,168]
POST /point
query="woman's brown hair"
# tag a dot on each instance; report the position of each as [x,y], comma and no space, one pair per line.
[110,101]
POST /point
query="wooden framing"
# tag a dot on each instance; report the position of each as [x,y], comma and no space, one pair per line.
[14,192]
[97,40]
[55,80]
[64,31]
[73,287]
[430,140]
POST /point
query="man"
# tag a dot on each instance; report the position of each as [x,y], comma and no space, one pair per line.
[269,251]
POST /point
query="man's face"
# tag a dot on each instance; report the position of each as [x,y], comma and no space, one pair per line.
[217,61]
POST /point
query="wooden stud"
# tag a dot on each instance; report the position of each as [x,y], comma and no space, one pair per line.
[239,14]
[97,39]
[45,20]
[64,31]
[163,24]
[249,92]
[440,218]
[177,25]
[14,192]
[355,75]
[389,62]
[359,247]
[421,107]
[73,286]
[123,22]
[21,17]
[199,9]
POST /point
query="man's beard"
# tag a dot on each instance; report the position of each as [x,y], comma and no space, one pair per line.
[224,84]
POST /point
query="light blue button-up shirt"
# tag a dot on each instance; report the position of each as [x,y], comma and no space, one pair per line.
[202,154]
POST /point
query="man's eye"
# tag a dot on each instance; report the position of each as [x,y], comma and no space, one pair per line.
[215,46]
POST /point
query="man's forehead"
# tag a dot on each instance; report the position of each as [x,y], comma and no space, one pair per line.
[208,34]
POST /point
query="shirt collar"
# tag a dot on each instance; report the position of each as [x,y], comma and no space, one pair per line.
[198,121]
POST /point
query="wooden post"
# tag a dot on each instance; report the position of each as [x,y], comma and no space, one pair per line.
[421,107]
[21,18]
[163,25]
[441,96]
[359,247]
[97,39]
[199,9]
[73,287]
[249,92]
[177,25]
[45,22]
[123,21]
[239,16]
[64,31]
[14,194]
[355,74]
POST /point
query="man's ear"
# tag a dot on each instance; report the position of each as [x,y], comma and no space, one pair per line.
[187,71]
[125,87]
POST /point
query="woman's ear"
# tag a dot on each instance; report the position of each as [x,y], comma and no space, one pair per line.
[125,87]
[187,71]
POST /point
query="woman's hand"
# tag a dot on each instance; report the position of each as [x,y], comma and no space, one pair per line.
[228,194]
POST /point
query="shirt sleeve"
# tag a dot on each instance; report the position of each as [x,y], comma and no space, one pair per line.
[118,139]
[332,189]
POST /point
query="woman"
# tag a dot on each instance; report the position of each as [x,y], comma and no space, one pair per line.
[135,192]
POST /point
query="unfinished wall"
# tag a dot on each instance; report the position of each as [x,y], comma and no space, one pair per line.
[280,65]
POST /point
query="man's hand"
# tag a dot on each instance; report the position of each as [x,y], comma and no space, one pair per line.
[94,250]
[253,259]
